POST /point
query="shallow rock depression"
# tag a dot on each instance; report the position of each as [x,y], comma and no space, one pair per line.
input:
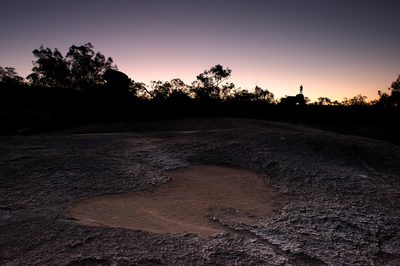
[189,203]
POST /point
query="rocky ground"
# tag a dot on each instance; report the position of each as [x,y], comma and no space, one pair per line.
[343,194]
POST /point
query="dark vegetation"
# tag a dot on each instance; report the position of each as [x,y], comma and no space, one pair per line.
[84,87]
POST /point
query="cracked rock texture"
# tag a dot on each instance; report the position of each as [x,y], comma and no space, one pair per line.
[343,193]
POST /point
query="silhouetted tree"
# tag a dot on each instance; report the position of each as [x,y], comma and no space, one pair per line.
[207,84]
[50,69]
[226,91]
[160,90]
[358,100]
[324,101]
[396,84]
[374,102]
[384,99]
[86,66]
[139,89]
[243,95]
[259,95]
[9,75]
[263,95]
[214,76]
[345,101]
[394,98]
[80,69]
[177,85]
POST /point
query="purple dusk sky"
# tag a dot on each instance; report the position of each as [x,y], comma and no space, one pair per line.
[333,48]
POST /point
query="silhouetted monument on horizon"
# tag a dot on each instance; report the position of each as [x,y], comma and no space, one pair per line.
[294,100]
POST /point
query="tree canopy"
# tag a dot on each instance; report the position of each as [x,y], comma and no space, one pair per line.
[80,69]
[207,84]
[392,99]
[10,75]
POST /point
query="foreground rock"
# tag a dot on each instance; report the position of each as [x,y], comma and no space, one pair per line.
[343,191]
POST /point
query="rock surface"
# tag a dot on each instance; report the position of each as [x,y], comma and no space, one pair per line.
[344,192]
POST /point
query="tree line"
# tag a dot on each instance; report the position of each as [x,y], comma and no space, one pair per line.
[82,69]
[73,90]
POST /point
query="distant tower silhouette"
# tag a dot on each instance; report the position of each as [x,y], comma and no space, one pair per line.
[301,89]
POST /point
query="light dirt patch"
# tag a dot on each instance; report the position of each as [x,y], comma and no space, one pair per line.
[189,203]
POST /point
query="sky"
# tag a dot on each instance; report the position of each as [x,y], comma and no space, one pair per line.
[334,48]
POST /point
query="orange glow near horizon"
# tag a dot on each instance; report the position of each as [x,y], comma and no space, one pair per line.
[279,86]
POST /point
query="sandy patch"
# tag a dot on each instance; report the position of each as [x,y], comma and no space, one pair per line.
[190,202]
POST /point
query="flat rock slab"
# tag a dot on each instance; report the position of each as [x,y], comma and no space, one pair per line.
[338,195]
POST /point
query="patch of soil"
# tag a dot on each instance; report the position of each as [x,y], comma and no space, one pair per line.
[188,203]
